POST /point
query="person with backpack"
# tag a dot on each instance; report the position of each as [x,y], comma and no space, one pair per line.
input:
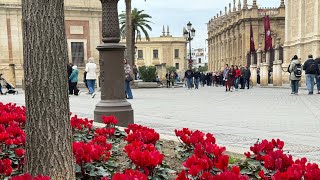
[311,69]
[318,75]
[295,71]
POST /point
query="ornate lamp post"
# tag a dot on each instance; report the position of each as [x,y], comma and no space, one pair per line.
[111,61]
[189,34]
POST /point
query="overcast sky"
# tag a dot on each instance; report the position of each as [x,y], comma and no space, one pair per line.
[177,13]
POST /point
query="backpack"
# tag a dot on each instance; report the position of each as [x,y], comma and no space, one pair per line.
[312,68]
[297,70]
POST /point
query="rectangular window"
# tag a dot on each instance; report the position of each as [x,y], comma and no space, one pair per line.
[140,54]
[199,60]
[155,54]
[176,53]
[177,65]
[77,53]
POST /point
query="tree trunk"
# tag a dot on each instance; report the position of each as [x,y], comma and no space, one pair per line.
[130,53]
[49,135]
[133,43]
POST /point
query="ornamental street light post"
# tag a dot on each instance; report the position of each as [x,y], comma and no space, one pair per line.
[111,60]
[189,34]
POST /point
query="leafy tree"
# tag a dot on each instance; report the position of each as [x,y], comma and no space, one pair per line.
[203,68]
[48,130]
[139,24]
[148,73]
[171,69]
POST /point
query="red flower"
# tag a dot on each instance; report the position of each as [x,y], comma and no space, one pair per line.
[29,177]
[109,120]
[20,152]
[182,176]
[129,175]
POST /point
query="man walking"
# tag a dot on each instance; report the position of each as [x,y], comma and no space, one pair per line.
[225,76]
[318,75]
[247,76]
[311,69]
[242,77]
[197,76]
[188,75]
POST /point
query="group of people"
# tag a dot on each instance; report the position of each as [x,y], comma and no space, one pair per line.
[312,72]
[89,78]
[171,78]
[230,77]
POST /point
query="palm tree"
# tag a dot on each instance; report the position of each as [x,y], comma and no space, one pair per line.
[139,24]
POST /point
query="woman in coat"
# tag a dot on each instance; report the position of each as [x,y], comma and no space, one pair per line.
[294,79]
[128,78]
[231,77]
[73,78]
[91,76]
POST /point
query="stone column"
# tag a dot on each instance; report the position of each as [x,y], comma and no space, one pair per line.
[111,57]
[259,57]
[264,75]
[253,69]
[277,63]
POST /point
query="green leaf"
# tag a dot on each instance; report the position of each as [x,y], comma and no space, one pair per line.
[78,168]
[246,171]
[89,167]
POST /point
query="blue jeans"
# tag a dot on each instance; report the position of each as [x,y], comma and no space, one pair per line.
[127,90]
[91,84]
[294,86]
[310,82]
[318,83]
[236,83]
[189,81]
[196,83]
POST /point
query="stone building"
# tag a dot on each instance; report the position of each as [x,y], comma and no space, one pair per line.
[229,33]
[83,31]
[302,30]
[165,50]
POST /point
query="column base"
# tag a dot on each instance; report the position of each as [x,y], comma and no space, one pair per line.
[121,109]
[253,69]
[277,73]
[264,75]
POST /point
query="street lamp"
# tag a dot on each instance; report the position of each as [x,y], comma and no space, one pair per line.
[189,34]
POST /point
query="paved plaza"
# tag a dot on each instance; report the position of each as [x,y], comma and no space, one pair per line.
[237,119]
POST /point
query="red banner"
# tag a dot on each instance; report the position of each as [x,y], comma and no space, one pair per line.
[268,36]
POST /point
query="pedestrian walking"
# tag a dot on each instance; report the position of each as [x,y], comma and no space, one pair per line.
[135,72]
[247,76]
[128,79]
[225,76]
[91,76]
[73,78]
[237,78]
[197,76]
[318,75]
[231,78]
[188,75]
[172,79]
[242,77]
[295,74]
[168,78]
[311,70]
[85,81]
[69,71]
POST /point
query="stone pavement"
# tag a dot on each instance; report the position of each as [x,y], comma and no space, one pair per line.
[237,119]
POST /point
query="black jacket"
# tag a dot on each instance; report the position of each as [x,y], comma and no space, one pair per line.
[247,73]
[318,63]
[197,75]
[307,66]
[188,74]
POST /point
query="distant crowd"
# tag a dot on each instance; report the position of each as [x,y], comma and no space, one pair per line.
[233,78]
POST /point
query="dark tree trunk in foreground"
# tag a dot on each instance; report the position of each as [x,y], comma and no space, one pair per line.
[49,136]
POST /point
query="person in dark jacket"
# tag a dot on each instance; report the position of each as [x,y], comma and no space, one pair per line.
[242,77]
[69,70]
[168,78]
[311,70]
[318,75]
[74,81]
[231,77]
[188,75]
[203,79]
[135,72]
[196,76]
[247,76]
[293,78]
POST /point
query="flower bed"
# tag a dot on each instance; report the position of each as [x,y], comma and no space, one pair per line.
[108,153]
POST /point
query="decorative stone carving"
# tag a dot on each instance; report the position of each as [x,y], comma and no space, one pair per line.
[110,21]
